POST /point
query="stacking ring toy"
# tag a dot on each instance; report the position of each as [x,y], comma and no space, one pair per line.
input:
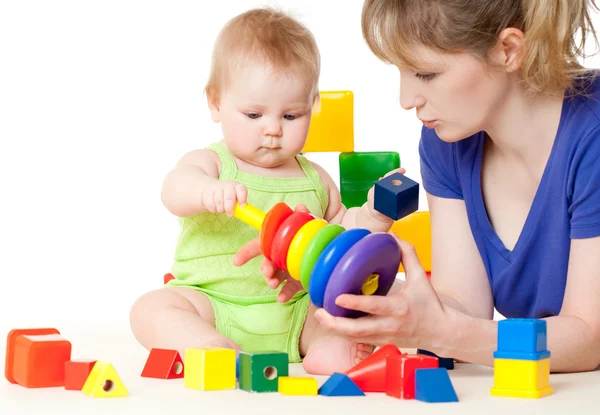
[327,259]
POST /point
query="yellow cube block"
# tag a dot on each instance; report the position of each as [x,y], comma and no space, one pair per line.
[416,230]
[288,385]
[521,378]
[332,126]
[209,369]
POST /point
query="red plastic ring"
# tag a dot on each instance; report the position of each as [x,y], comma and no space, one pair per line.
[273,220]
[285,234]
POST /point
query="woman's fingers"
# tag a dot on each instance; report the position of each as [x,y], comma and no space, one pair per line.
[247,252]
[359,329]
[394,305]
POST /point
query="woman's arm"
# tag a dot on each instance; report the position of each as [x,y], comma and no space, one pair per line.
[573,335]
[455,318]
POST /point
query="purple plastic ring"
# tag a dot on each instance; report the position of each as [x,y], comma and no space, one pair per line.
[377,253]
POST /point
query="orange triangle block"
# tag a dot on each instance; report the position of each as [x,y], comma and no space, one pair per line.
[104,382]
[370,374]
[163,364]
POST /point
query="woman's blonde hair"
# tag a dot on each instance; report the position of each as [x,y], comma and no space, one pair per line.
[555,33]
[268,37]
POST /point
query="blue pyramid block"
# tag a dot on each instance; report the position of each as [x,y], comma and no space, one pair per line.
[340,385]
[434,385]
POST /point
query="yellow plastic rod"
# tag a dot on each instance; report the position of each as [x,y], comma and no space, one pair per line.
[250,215]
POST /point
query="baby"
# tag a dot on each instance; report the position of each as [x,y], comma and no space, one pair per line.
[262,88]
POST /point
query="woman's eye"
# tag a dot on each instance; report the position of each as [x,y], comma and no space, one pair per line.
[290,117]
[253,115]
[425,76]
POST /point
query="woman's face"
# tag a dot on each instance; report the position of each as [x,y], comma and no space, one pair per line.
[457,94]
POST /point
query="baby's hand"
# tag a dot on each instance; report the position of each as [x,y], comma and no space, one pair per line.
[371,199]
[222,195]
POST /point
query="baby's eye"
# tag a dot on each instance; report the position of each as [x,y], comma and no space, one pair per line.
[290,117]
[425,76]
[253,115]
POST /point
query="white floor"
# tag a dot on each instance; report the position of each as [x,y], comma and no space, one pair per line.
[577,393]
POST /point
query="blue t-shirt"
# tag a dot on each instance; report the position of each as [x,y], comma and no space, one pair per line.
[528,281]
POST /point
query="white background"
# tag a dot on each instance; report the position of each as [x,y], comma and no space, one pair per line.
[98,100]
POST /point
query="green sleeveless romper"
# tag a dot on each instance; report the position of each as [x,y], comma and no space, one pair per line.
[246,309]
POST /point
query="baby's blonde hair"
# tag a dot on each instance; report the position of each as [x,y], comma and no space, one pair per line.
[268,37]
[555,33]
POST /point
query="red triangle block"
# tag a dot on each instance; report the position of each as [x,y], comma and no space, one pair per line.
[401,374]
[168,277]
[370,374]
[163,364]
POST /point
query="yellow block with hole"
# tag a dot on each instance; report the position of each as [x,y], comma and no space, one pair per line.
[297,385]
[209,369]
[299,243]
[416,230]
[332,126]
[104,382]
[521,378]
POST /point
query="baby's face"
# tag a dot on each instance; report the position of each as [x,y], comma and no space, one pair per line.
[265,115]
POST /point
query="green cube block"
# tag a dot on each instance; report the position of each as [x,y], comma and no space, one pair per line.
[359,171]
[259,372]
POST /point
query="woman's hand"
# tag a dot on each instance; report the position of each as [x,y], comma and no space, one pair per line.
[412,317]
[274,277]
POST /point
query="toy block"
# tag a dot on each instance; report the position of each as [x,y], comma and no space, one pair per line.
[35,358]
[76,373]
[340,384]
[400,377]
[163,364]
[521,378]
[370,374]
[297,385]
[104,382]
[209,369]
[416,230]
[434,385]
[396,196]
[445,362]
[259,371]
[522,338]
[332,126]
[359,171]
[168,277]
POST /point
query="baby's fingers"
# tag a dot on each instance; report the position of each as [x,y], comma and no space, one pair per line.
[242,193]
[229,197]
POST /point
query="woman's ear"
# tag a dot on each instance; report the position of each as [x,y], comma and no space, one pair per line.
[507,50]
[213,105]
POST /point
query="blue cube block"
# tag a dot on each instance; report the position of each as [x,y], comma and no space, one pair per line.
[434,385]
[445,362]
[396,196]
[522,338]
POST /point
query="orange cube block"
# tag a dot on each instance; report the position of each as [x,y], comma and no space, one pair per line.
[35,358]
[76,373]
[400,375]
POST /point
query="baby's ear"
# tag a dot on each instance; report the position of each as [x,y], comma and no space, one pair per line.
[213,106]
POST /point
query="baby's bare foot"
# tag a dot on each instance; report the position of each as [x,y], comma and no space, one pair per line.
[334,354]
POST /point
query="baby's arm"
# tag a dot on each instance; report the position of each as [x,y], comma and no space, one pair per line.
[193,187]
[357,217]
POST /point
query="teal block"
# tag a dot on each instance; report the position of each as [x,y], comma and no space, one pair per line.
[259,372]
